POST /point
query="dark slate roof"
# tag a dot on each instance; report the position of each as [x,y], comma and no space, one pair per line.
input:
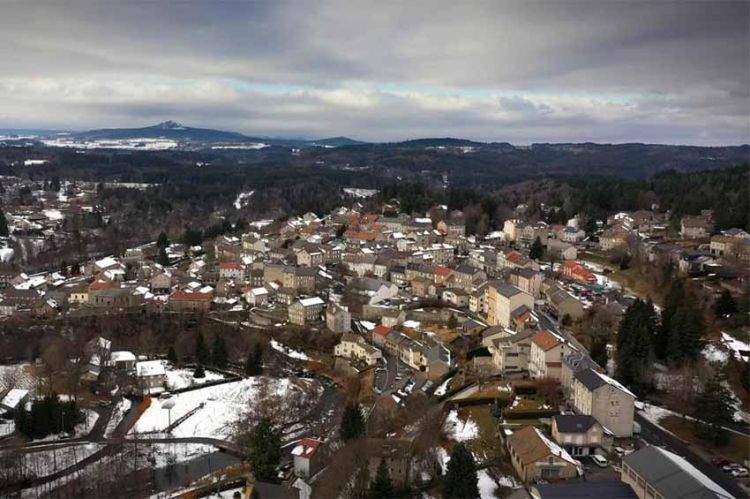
[590,379]
[574,423]
[595,489]
[579,361]
[672,476]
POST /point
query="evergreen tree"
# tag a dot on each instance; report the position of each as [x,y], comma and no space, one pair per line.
[219,352]
[680,336]
[162,241]
[3,225]
[537,250]
[199,372]
[598,351]
[725,304]
[381,486]
[254,361]
[172,355]
[162,258]
[713,408]
[634,346]
[461,477]
[352,423]
[201,352]
[265,450]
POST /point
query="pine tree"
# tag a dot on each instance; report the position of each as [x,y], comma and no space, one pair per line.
[265,450]
[725,305]
[3,225]
[634,346]
[352,423]
[162,241]
[381,486]
[461,478]
[598,351]
[537,250]
[172,355]
[713,408]
[219,352]
[199,372]
[162,258]
[254,361]
[201,352]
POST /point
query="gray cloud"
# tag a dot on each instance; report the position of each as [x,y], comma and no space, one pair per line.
[518,71]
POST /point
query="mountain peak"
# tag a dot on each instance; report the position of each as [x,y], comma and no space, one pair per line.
[170,125]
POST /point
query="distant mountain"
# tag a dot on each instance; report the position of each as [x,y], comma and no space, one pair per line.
[166,130]
[176,131]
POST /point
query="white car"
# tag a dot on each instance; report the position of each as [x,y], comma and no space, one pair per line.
[599,460]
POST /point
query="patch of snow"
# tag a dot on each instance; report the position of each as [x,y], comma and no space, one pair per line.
[243,198]
[246,147]
[458,430]
[712,353]
[294,354]
[440,390]
[183,378]
[360,193]
[741,349]
[53,214]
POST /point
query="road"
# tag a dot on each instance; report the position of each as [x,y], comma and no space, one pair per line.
[656,436]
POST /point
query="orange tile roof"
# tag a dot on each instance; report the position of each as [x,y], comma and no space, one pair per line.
[545,340]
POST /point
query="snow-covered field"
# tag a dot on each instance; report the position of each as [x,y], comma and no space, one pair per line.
[458,430]
[223,406]
[243,198]
[128,144]
[183,378]
[294,354]
[360,193]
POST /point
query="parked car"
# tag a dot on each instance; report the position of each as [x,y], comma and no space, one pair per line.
[720,461]
[740,472]
[599,460]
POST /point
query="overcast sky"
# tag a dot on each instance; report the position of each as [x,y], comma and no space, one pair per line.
[518,71]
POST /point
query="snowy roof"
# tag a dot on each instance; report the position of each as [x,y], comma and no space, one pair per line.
[122,356]
[307,447]
[150,368]
[13,398]
[308,302]
[106,262]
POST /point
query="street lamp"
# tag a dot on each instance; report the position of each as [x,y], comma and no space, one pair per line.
[168,405]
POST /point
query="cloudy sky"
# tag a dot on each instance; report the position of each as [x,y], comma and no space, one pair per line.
[508,71]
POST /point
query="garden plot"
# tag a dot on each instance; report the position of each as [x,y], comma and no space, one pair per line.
[216,410]
[178,379]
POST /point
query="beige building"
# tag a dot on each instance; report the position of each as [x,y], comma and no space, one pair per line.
[578,434]
[546,354]
[502,300]
[305,310]
[338,319]
[536,457]
[510,354]
[605,399]
[354,347]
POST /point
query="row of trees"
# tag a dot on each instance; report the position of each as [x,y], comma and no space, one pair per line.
[48,416]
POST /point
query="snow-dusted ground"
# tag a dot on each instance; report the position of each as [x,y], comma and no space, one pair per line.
[714,353]
[223,406]
[294,354]
[360,193]
[740,349]
[122,407]
[458,430]
[243,198]
[128,144]
[443,388]
[487,484]
[249,147]
[183,378]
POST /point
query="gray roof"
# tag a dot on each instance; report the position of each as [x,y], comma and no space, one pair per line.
[594,489]
[579,361]
[590,379]
[574,423]
[505,289]
[672,476]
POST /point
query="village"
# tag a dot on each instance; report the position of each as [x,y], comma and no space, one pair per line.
[440,339]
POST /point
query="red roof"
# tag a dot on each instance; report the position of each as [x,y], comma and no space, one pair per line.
[186,296]
[306,447]
[382,330]
[100,284]
[231,265]
[545,340]
[442,271]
